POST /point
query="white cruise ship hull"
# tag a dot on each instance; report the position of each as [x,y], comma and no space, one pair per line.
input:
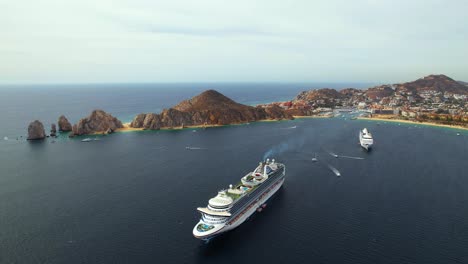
[366,143]
[366,146]
[242,217]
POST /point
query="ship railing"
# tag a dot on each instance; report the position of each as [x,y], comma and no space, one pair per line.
[251,204]
[252,194]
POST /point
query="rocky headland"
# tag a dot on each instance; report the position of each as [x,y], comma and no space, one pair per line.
[209,108]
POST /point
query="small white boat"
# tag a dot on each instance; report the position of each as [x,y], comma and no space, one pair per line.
[314,159]
[86,140]
[365,139]
[458,134]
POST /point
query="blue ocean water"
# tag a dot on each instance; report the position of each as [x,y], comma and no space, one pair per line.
[132,197]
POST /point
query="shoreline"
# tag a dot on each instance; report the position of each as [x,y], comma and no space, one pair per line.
[412,122]
[127,127]
[312,116]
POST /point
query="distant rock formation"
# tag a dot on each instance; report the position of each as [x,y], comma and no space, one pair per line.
[439,83]
[324,97]
[36,130]
[383,94]
[53,130]
[210,108]
[97,122]
[319,94]
[63,124]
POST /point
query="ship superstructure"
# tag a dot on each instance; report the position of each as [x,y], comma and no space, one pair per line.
[365,139]
[232,206]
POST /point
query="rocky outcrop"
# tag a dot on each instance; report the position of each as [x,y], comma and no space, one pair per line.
[138,120]
[97,122]
[63,124]
[174,118]
[53,130]
[210,108]
[276,112]
[36,130]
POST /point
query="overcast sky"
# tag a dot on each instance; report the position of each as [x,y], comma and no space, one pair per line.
[48,41]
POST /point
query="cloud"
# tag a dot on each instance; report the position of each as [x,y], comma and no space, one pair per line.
[244,40]
[209,32]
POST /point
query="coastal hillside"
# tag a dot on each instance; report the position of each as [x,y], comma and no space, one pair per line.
[437,83]
[324,97]
[439,87]
[208,108]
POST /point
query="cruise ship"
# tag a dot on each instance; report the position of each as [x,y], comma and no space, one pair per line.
[232,206]
[365,139]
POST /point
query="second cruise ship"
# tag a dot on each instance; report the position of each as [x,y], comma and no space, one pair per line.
[232,206]
[365,139]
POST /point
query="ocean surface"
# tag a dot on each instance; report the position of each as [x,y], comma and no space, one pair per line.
[132,197]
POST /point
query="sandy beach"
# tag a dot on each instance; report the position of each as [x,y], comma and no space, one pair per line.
[412,122]
[127,128]
[313,116]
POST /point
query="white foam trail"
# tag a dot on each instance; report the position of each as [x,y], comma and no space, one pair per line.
[333,154]
[5,138]
[334,170]
[293,127]
[194,148]
[162,147]
[349,157]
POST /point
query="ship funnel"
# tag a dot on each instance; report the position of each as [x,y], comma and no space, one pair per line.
[273,161]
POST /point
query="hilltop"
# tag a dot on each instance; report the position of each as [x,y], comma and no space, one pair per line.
[437,83]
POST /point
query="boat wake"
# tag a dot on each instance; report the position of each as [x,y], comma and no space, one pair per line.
[350,157]
[333,154]
[293,127]
[195,148]
[161,147]
[334,170]
[343,156]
